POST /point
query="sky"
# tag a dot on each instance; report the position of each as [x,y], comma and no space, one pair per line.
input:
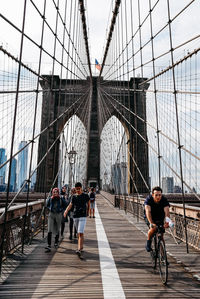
[99,14]
[98,17]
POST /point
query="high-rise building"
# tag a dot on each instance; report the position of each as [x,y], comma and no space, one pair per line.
[13,176]
[177,189]
[33,181]
[22,164]
[3,159]
[119,177]
[168,184]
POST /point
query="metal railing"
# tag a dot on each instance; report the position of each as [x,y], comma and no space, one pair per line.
[135,206]
[17,232]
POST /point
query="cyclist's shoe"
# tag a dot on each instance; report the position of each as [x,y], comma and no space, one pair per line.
[148,246]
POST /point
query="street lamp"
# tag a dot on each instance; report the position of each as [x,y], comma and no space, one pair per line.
[72,159]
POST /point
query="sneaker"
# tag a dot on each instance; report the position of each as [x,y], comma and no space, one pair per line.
[93,216]
[79,253]
[56,245]
[148,246]
[47,248]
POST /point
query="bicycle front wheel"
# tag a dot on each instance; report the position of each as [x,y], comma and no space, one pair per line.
[162,262]
[153,253]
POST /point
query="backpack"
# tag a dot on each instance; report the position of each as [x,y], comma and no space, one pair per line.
[92,197]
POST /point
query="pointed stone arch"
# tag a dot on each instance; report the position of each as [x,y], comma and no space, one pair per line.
[129,108]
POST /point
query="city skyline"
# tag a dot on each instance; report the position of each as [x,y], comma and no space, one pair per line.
[19,171]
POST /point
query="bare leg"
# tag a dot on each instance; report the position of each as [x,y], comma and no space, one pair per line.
[80,241]
[151,232]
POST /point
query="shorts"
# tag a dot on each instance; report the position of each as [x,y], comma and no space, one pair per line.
[92,205]
[80,224]
[158,222]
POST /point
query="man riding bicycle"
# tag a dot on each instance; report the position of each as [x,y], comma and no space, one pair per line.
[156,210]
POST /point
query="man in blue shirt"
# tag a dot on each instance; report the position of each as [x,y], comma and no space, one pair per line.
[156,210]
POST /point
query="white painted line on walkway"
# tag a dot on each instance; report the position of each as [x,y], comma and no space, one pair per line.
[112,287]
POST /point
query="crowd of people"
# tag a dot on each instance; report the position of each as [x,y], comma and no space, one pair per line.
[73,208]
[80,204]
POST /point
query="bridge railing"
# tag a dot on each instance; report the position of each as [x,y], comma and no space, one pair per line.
[135,206]
[17,232]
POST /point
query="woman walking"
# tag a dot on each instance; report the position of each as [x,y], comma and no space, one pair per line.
[56,206]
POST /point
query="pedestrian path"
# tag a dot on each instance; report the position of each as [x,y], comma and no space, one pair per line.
[115,265]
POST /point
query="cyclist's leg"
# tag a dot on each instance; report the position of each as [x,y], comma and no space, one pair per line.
[150,234]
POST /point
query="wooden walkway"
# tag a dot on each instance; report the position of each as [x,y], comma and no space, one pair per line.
[61,274]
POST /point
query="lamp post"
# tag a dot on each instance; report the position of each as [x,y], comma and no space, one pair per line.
[72,159]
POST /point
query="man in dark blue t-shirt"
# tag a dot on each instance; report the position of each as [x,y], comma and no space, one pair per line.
[80,207]
[156,209]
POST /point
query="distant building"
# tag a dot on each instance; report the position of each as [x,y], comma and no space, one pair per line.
[13,176]
[119,178]
[33,181]
[168,184]
[22,164]
[3,159]
[177,189]
[3,187]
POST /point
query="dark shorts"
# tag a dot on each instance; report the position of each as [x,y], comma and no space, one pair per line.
[158,222]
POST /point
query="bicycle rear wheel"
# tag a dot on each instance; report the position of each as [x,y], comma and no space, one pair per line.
[162,262]
[153,253]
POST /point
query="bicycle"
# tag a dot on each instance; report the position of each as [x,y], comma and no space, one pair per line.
[158,254]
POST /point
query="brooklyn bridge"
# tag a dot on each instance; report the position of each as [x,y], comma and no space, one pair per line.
[121,123]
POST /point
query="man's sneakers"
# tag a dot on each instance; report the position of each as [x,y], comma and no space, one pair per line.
[148,246]
[79,253]
[48,248]
[56,245]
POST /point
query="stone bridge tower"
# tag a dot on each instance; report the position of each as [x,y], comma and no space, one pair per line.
[58,97]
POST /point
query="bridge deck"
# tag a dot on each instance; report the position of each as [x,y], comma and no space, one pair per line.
[61,274]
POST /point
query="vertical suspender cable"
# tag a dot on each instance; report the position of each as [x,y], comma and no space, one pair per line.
[13,135]
[177,123]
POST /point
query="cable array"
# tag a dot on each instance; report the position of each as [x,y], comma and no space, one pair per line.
[166,58]
[53,47]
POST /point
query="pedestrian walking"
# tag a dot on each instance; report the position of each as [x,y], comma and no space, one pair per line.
[71,218]
[80,205]
[64,196]
[56,206]
[92,202]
